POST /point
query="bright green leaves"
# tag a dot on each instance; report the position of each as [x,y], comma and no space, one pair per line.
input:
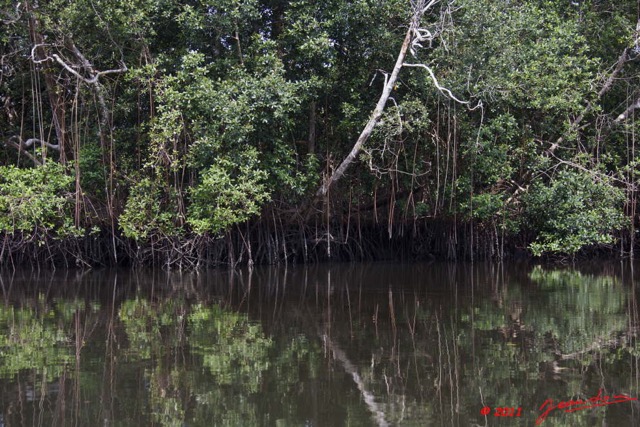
[148,210]
[575,210]
[226,195]
[35,199]
[230,133]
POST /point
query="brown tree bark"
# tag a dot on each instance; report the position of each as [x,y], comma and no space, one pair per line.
[54,91]
[312,127]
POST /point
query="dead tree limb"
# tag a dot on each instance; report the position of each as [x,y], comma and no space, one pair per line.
[93,78]
[22,146]
[373,120]
[626,113]
[11,142]
[413,39]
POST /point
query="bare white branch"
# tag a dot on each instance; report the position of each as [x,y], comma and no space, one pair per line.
[29,142]
[22,146]
[630,109]
[422,6]
[441,88]
[71,68]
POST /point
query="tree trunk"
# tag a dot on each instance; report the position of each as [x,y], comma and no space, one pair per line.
[375,117]
[56,100]
[312,127]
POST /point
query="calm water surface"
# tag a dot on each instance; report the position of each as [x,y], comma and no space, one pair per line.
[330,345]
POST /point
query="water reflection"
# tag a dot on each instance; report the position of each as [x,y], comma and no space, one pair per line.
[325,345]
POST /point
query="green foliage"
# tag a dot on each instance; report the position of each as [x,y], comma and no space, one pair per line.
[35,199]
[30,340]
[213,119]
[492,153]
[92,172]
[147,211]
[233,349]
[574,210]
[486,206]
[226,195]
[531,55]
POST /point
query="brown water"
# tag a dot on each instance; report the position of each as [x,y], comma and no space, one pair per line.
[329,345]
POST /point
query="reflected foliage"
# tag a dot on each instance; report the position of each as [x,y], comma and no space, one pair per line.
[234,350]
[32,340]
[356,346]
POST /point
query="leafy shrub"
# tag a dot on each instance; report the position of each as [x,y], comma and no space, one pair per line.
[35,198]
[145,212]
[227,195]
[575,210]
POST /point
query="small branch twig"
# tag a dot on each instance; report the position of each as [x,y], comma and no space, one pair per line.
[95,75]
[441,88]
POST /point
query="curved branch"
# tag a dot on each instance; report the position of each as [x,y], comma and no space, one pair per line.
[442,89]
[29,142]
[21,149]
[95,75]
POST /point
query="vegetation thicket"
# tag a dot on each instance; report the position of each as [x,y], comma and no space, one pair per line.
[188,133]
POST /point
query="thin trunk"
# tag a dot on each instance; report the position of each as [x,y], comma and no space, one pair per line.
[237,37]
[56,100]
[312,127]
[375,118]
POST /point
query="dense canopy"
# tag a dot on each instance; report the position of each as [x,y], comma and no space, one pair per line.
[189,132]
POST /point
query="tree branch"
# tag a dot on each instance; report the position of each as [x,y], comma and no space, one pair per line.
[442,89]
[414,34]
[29,142]
[630,109]
[21,148]
[373,120]
[95,75]
[575,123]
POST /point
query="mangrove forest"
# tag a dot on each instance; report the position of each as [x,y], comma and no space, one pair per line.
[190,133]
